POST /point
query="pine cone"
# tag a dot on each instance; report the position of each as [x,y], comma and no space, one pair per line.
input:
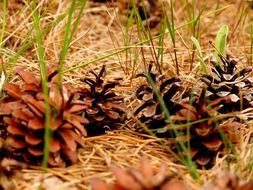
[104,108]
[24,115]
[144,179]
[198,125]
[229,181]
[149,112]
[237,85]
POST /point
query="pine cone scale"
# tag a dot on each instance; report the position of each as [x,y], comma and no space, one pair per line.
[35,151]
[35,124]
[32,139]
[68,139]
[54,145]
[15,143]
[13,90]
[15,130]
[213,144]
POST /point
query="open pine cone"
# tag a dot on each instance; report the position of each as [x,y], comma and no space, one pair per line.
[237,85]
[143,179]
[104,109]
[149,112]
[24,114]
[198,125]
[228,181]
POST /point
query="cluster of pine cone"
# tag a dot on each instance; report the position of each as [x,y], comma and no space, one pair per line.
[191,120]
[188,117]
[75,113]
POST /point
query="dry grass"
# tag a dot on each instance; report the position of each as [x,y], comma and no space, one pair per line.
[101,32]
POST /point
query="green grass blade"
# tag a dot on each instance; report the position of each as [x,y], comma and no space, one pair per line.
[160,52]
[43,71]
[68,35]
[171,28]
[221,42]
[3,22]
[251,43]
[3,77]
[188,161]
[200,56]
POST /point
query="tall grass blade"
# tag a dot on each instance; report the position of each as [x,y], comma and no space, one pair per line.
[171,28]
[251,43]
[187,161]
[68,35]
[3,70]
[3,22]
[221,42]
[200,56]
[43,71]
[160,52]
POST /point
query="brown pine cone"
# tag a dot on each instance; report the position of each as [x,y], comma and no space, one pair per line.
[143,179]
[197,124]
[104,109]
[24,116]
